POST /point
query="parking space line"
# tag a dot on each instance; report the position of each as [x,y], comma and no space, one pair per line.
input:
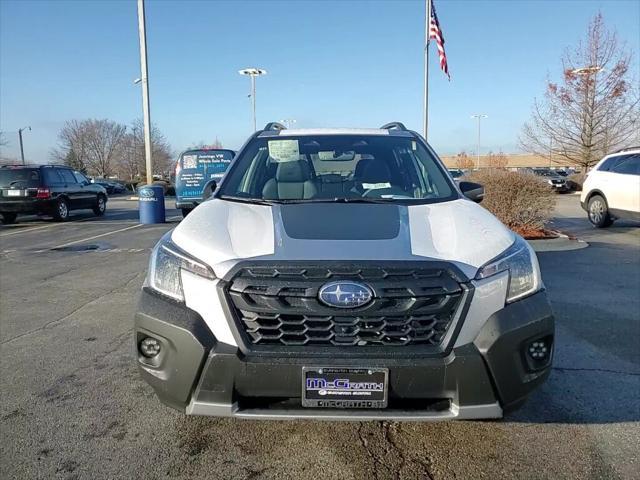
[131,227]
[89,219]
[8,234]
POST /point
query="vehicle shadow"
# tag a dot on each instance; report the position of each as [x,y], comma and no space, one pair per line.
[86,216]
[580,226]
[596,373]
[584,395]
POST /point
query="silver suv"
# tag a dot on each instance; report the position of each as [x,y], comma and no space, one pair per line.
[342,274]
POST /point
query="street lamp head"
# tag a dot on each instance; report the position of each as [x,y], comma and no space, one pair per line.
[479,115]
[137,81]
[252,72]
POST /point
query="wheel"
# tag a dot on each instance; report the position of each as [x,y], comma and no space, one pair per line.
[8,218]
[61,213]
[186,211]
[101,206]
[599,212]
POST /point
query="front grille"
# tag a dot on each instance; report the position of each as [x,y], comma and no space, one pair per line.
[279,306]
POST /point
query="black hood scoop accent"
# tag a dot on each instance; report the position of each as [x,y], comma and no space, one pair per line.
[341,221]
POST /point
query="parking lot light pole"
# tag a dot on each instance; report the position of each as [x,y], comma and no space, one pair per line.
[253,73]
[21,146]
[144,80]
[479,116]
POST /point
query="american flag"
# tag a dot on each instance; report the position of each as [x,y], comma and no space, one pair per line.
[436,34]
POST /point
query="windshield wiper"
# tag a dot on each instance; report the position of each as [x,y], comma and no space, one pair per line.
[340,200]
[257,201]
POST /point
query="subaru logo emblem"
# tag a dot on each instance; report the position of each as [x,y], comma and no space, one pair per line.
[345,294]
[147,192]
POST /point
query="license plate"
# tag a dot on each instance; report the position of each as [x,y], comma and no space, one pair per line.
[344,387]
[14,193]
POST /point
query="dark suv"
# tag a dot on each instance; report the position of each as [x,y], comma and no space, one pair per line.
[47,189]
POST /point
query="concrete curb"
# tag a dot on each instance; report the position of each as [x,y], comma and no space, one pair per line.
[560,244]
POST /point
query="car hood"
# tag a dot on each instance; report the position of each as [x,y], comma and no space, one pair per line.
[221,233]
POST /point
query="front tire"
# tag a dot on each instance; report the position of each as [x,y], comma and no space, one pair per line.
[8,218]
[101,206]
[61,212]
[598,212]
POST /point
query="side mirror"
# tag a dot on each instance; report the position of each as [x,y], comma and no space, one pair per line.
[209,189]
[473,191]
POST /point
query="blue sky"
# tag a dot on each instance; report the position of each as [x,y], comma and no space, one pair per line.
[342,63]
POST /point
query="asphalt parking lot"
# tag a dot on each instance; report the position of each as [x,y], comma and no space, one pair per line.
[73,405]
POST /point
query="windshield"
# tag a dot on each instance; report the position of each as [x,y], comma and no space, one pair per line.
[336,168]
[20,177]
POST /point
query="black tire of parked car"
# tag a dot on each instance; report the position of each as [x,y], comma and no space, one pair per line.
[9,217]
[61,213]
[186,211]
[101,206]
[598,212]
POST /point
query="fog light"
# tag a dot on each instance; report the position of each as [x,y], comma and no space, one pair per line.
[150,347]
[538,350]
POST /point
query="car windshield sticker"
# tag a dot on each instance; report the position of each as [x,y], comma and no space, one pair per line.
[284,150]
[189,161]
[375,186]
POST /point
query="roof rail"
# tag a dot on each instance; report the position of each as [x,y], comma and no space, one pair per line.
[392,125]
[627,148]
[274,126]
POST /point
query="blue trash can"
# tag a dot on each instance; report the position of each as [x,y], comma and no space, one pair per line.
[151,204]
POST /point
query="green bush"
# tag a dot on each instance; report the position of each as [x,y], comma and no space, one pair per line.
[520,200]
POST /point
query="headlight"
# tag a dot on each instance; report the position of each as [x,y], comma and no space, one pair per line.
[164,268]
[524,272]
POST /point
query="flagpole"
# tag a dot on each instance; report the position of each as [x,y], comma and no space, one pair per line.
[426,67]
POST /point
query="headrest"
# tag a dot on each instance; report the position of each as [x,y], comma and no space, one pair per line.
[373,170]
[289,172]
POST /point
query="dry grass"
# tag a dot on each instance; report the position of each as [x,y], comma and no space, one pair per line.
[522,201]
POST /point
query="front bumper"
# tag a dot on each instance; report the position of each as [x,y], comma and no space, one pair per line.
[188,202]
[198,375]
[28,206]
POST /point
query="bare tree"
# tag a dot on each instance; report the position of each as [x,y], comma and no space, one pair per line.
[497,160]
[3,140]
[463,161]
[202,144]
[105,141]
[73,145]
[594,110]
[92,146]
[104,148]
[132,162]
